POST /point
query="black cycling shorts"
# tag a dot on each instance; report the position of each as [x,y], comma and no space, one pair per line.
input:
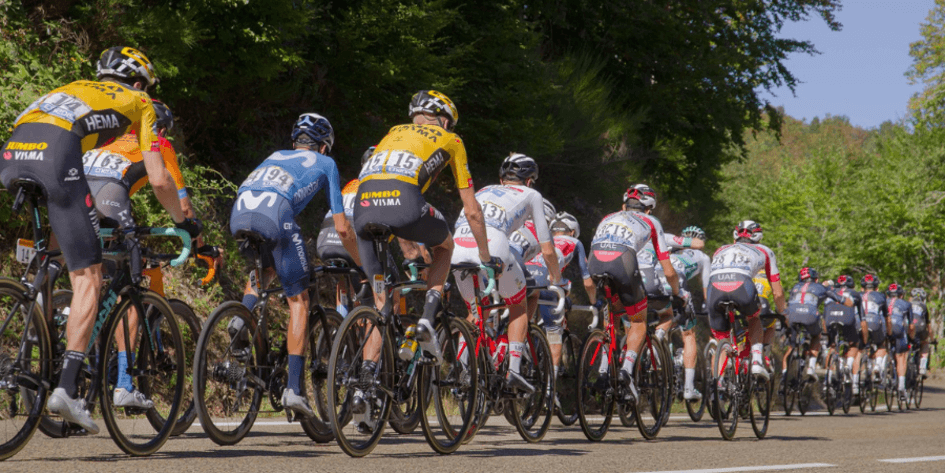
[877,337]
[810,320]
[401,207]
[849,333]
[52,157]
[620,263]
[329,246]
[730,287]
[922,335]
[112,202]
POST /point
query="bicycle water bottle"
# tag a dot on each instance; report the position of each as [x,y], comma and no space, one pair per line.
[501,350]
[408,348]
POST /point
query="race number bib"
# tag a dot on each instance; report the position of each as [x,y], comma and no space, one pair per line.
[270,176]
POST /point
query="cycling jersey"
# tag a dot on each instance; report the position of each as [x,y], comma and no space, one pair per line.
[566,247]
[920,317]
[654,278]
[747,259]
[96,112]
[296,175]
[415,154]
[122,161]
[900,315]
[875,312]
[849,318]
[731,280]
[328,245]
[524,242]
[803,305]
[690,263]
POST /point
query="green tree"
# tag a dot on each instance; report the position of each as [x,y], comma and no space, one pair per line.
[928,68]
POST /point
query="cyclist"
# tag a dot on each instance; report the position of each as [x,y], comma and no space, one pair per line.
[875,313]
[850,319]
[617,240]
[114,173]
[524,245]
[689,263]
[506,207]
[565,231]
[804,308]
[46,145]
[268,201]
[900,330]
[390,193]
[920,318]
[730,280]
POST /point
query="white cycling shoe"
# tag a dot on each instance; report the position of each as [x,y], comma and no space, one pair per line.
[692,395]
[72,410]
[298,404]
[134,398]
[759,369]
[428,340]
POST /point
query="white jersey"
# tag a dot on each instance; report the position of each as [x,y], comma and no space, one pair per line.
[646,258]
[747,259]
[507,208]
[524,241]
[689,263]
[633,230]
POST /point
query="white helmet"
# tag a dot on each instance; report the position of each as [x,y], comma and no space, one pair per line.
[642,193]
[566,222]
[550,211]
[748,229]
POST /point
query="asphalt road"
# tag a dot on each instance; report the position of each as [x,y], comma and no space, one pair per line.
[816,442]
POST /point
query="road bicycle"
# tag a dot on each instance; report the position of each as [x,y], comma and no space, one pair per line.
[838,381]
[798,386]
[868,386]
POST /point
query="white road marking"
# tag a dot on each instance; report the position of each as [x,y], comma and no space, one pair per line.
[797,466]
[914,459]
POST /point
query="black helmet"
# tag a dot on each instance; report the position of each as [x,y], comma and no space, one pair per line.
[870,281]
[313,128]
[807,274]
[367,154]
[895,289]
[125,64]
[436,103]
[844,280]
[520,167]
[165,119]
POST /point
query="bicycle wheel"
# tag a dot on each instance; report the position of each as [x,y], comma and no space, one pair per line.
[228,390]
[792,380]
[759,405]
[654,379]
[889,382]
[696,409]
[864,386]
[805,394]
[625,414]
[448,411]
[566,384]
[25,353]
[918,390]
[532,413]
[190,326]
[596,403]
[486,374]
[846,393]
[321,334]
[157,371]
[358,433]
[831,390]
[726,391]
[708,356]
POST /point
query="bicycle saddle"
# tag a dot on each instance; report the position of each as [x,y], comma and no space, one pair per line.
[377,230]
[249,235]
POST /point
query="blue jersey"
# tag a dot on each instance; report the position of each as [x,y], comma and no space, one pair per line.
[297,175]
[900,314]
[875,311]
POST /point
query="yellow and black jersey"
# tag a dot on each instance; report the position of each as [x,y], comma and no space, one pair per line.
[415,154]
[98,112]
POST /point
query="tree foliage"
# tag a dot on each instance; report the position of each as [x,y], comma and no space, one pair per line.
[928,68]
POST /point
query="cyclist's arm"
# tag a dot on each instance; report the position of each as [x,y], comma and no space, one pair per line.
[778,292]
[163,184]
[545,240]
[477,223]
[350,242]
[551,261]
[662,255]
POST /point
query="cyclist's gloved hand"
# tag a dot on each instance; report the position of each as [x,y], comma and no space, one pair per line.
[565,284]
[496,264]
[192,226]
[600,304]
[208,250]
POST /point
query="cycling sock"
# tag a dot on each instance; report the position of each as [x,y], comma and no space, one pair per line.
[432,305]
[628,361]
[756,350]
[556,371]
[902,383]
[515,356]
[604,363]
[690,379]
[882,364]
[850,361]
[811,363]
[72,362]
[295,373]
[856,379]
[924,363]
[660,334]
[342,310]
[249,300]
[124,379]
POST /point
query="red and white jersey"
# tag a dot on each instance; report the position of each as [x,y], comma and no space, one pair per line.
[633,230]
[745,258]
[507,208]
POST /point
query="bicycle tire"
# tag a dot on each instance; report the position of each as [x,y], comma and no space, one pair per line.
[708,355]
[864,385]
[158,372]
[759,405]
[448,391]
[595,403]
[653,379]
[846,395]
[919,391]
[532,413]
[889,378]
[344,368]
[566,384]
[805,394]
[225,394]
[625,414]
[831,393]
[27,392]
[696,409]
[320,339]
[190,326]
[793,384]
[726,391]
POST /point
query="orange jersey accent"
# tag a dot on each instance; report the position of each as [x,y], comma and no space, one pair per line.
[122,160]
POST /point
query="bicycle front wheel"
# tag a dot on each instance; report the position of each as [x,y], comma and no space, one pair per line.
[726,390]
[759,405]
[653,375]
[792,381]
[567,383]
[25,353]
[190,326]
[832,384]
[696,409]
[447,412]
[322,332]
[228,389]
[358,426]
[150,331]
[596,398]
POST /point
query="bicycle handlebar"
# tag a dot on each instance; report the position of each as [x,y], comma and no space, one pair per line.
[490,274]
[559,306]
[160,231]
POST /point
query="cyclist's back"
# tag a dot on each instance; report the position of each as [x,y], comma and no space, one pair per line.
[900,318]
[733,269]
[875,311]
[849,318]
[805,299]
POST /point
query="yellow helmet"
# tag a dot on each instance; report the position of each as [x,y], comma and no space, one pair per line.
[437,103]
[126,64]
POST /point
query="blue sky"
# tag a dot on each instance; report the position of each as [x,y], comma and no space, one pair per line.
[861,71]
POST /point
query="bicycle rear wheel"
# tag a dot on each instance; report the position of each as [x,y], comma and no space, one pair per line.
[889,381]
[805,394]
[864,385]
[832,385]
[696,409]
[792,382]
[157,371]
[358,433]
[759,405]
[190,326]
[532,413]
[708,355]
[596,403]
[321,334]
[654,380]
[25,353]
[726,391]
[567,383]
[228,390]
[448,398]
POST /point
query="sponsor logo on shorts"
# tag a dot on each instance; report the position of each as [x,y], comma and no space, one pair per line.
[16,145]
[111,203]
[27,155]
[365,203]
[73,176]
[380,194]
[8,155]
[287,226]
[88,201]
[383,202]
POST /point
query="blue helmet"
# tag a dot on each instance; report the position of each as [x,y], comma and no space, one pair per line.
[313,128]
